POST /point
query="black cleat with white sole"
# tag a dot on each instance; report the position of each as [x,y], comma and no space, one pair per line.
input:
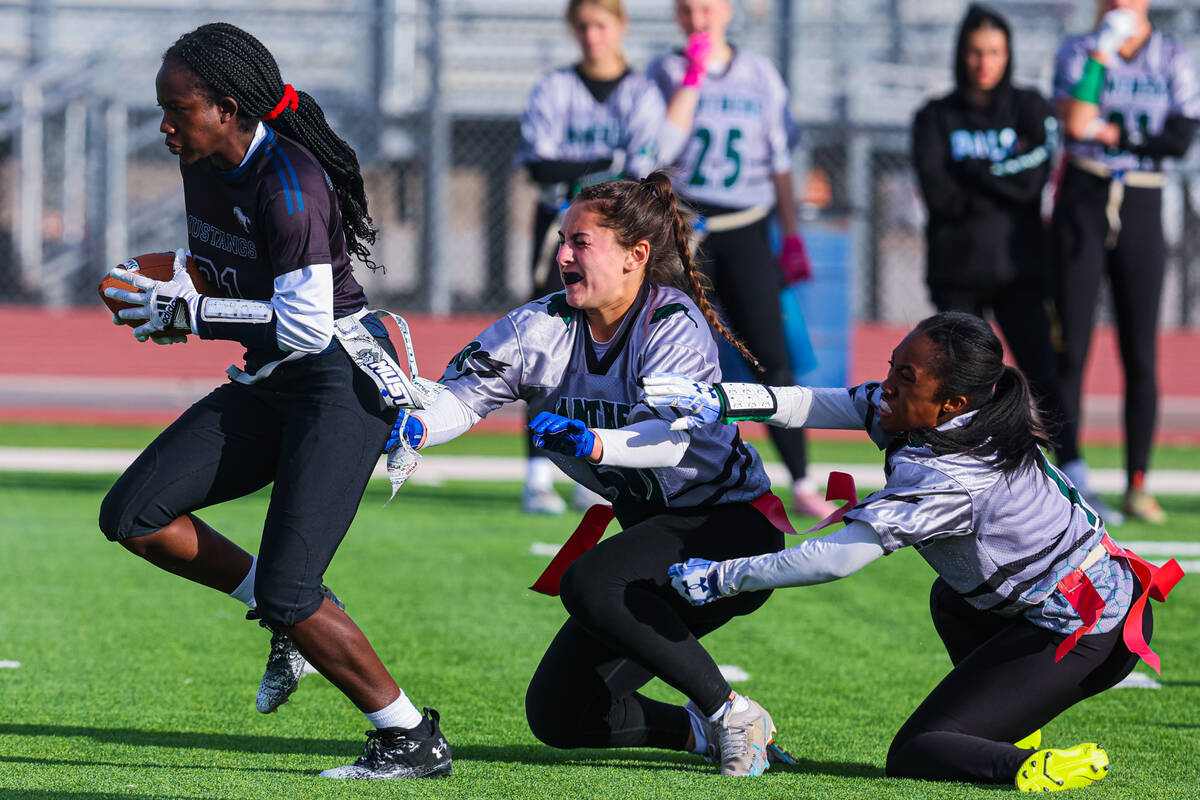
[401,753]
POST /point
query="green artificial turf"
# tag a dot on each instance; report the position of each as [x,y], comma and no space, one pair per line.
[136,684]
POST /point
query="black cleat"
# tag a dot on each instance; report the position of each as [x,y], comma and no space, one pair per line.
[285,665]
[400,753]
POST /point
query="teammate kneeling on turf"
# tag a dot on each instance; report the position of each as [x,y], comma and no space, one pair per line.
[633,305]
[1037,606]
[276,208]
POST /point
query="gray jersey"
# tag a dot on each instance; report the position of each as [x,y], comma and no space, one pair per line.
[1160,81]
[543,353]
[1002,541]
[564,122]
[740,133]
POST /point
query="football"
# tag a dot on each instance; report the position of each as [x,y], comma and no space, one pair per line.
[160,267]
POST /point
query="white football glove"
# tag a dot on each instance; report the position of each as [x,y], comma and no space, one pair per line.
[696,580]
[167,306]
[696,401]
[1116,26]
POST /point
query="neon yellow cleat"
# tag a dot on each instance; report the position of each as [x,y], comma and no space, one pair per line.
[1031,742]
[1055,770]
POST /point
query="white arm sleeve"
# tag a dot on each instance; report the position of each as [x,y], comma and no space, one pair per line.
[303,303]
[819,560]
[800,406]
[643,445]
[448,418]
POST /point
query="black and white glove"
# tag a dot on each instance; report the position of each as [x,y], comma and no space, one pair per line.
[699,403]
[167,306]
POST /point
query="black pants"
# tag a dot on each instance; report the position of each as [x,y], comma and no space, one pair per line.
[746,278]
[1004,686]
[1135,270]
[1020,311]
[628,625]
[314,428]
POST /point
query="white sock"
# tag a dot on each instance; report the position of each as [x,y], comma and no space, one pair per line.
[539,473]
[699,729]
[400,713]
[735,703]
[804,485]
[245,589]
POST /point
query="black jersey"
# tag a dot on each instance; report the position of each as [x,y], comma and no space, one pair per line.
[274,214]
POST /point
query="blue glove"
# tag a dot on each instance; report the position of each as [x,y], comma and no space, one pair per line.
[696,579]
[697,402]
[410,428]
[562,435]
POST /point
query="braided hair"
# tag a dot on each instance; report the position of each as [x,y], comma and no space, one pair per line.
[229,62]
[968,360]
[649,210]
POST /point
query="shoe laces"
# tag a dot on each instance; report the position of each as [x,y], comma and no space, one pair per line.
[374,750]
[736,739]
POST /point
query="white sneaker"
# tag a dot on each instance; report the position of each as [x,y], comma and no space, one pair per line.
[542,501]
[583,498]
[742,738]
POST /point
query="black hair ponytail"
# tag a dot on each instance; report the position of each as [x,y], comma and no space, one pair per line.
[233,63]
[1006,429]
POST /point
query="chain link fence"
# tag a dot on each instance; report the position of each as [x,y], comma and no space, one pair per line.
[430,92]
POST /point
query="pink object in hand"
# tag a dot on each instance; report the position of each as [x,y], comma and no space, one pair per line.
[794,260]
[699,48]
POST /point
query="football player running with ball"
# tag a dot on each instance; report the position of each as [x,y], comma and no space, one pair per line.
[1037,606]
[275,210]
[633,304]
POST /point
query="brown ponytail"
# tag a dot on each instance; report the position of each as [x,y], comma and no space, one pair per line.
[635,211]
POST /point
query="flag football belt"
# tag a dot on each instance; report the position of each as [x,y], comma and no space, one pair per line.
[1117,181]
[595,521]
[719,223]
[1077,588]
[359,334]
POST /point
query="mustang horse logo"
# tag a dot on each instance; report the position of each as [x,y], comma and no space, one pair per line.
[242,218]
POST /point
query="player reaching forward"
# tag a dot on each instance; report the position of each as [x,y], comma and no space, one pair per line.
[1037,606]
[275,209]
[633,305]
[592,121]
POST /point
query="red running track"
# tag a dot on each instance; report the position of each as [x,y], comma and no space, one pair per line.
[81,343]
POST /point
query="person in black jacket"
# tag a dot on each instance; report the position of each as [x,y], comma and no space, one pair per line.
[983,154]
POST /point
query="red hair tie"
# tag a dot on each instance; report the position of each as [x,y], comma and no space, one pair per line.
[290,101]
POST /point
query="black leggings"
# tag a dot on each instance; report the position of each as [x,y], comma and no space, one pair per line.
[1135,270]
[747,281]
[628,625]
[1020,311]
[314,428]
[1004,686]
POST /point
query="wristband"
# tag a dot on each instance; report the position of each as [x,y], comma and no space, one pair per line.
[1090,85]
[746,402]
[694,77]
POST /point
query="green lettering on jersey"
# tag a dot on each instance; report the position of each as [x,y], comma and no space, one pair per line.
[557,306]
[460,360]
[670,309]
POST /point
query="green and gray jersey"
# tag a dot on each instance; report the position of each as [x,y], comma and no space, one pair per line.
[544,354]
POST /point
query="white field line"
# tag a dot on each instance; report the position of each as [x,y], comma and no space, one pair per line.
[437,469]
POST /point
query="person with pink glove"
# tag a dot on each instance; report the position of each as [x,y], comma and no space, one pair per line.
[726,134]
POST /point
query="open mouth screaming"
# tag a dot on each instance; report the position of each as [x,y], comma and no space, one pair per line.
[571,277]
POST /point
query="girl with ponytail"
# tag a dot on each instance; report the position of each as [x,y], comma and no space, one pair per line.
[275,211]
[1034,601]
[633,304]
